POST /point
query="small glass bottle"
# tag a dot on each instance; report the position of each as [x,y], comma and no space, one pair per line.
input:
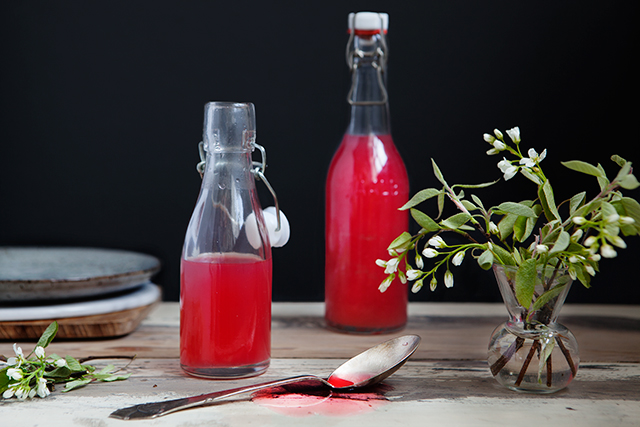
[225,290]
[366,184]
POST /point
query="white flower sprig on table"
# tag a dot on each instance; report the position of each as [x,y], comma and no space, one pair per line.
[509,234]
[25,377]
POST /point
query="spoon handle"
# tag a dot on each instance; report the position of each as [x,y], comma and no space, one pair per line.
[156,409]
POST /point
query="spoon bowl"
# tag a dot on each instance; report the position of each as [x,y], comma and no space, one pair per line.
[367,368]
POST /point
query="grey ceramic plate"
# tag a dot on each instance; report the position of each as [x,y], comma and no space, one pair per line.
[39,274]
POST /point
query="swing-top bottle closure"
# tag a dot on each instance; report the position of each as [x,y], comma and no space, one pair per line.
[248,145]
[368,24]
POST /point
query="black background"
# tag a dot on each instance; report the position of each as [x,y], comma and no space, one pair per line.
[101,110]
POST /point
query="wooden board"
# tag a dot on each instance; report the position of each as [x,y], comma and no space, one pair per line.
[97,326]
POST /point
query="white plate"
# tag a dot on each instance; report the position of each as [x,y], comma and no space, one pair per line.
[146,294]
[48,273]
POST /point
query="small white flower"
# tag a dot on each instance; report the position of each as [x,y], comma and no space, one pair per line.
[507,169]
[42,389]
[448,279]
[457,258]
[493,228]
[10,392]
[413,274]
[429,253]
[419,261]
[618,241]
[613,218]
[392,266]
[386,283]
[574,259]
[577,235]
[590,270]
[61,362]
[542,249]
[514,134]
[437,242]
[416,286]
[498,134]
[607,251]
[579,220]
[533,158]
[22,392]
[627,220]
[489,138]
[14,374]
[433,284]
[39,352]
[499,145]
[18,351]
[590,241]
[595,257]
[381,263]
[12,361]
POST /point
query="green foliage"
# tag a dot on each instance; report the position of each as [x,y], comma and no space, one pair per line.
[530,234]
[26,377]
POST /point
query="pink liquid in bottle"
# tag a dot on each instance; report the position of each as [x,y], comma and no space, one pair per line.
[366,184]
[225,315]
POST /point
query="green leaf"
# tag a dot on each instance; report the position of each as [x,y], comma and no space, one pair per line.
[545,193]
[629,182]
[4,379]
[483,185]
[602,180]
[485,260]
[547,296]
[576,201]
[583,167]
[526,282]
[73,364]
[561,243]
[440,204]
[400,241]
[505,226]
[478,202]
[625,169]
[469,206]
[520,228]
[454,222]
[420,197]
[48,335]
[424,220]
[517,209]
[504,256]
[531,176]
[71,385]
[619,160]
[438,173]
[626,206]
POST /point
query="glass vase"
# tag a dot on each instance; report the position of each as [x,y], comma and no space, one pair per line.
[531,352]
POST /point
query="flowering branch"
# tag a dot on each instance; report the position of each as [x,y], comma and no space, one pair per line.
[35,375]
[509,232]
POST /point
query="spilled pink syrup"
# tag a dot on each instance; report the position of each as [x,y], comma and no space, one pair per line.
[339,382]
[322,402]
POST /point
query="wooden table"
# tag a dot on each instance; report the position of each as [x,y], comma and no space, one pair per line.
[446,382]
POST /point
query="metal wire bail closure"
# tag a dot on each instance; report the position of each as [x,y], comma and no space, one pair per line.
[257,170]
[379,62]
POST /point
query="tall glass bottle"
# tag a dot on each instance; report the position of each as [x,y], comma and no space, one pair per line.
[225,291]
[366,184]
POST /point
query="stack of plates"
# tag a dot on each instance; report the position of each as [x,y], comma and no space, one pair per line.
[90,292]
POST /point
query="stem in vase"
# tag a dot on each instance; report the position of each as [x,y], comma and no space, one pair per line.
[567,356]
[527,361]
[504,358]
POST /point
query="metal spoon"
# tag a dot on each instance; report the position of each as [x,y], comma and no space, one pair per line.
[367,368]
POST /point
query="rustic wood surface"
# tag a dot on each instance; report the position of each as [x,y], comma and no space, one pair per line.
[446,382]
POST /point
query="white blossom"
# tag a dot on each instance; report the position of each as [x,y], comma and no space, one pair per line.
[448,279]
[429,253]
[413,274]
[627,220]
[499,145]
[533,158]
[508,169]
[60,363]
[437,242]
[514,134]
[39,352]
[416,286]
[613,218]
[498,134]
[577,235]
[493,228]
[10,392]
[419,261]
[542,249]
[489,138]
[433,284]
[457,258]
[14,374]
[579,220]
[386,283]
[618,241]
[607,251]
[590,270]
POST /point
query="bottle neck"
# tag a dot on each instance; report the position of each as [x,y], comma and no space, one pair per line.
[366,55]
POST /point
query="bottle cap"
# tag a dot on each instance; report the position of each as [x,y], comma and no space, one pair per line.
[276,238]
[368,21]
